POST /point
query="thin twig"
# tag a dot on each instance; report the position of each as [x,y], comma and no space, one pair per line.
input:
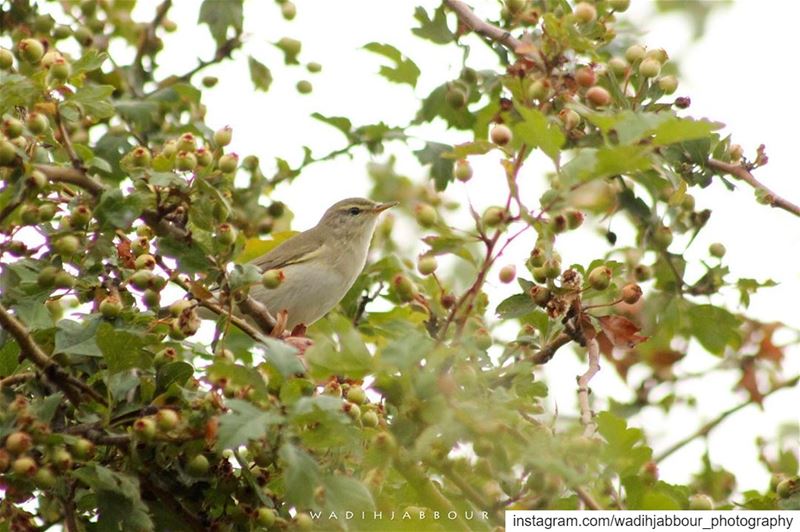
[741,172]
[587,499]
[147,38]
[493,33]
[66,141]
[543,355]
[16,379]
[72,176]
[587,419]
[708,427]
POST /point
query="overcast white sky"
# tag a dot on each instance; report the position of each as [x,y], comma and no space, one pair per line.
[740,73]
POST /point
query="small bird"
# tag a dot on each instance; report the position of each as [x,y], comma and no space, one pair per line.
[321,264]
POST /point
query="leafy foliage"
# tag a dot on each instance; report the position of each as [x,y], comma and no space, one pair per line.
[124,216]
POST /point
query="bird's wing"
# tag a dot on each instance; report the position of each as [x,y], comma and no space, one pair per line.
[303,247]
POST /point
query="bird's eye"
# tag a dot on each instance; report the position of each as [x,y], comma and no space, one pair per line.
[354,211]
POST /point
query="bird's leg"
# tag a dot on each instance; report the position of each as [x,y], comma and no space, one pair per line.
[280,324]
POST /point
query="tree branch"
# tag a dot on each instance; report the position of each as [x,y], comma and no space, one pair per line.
[543,355]
[587,419]
[468,18]
[31,350]
[741,172]
[587,498]
[708,427]
[16,379]
[72,176]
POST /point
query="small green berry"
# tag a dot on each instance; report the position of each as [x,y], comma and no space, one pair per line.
[272,279]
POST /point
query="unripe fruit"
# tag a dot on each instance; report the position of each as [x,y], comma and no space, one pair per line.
[515,6]
[6,59]
[60,70]
[82,449]
[272,278]
[540,295]
[463,171]
[314,67]
[558,223]
[537,90]
[574,219]
[448,300]
[304,86]
[145,262]
[493,216]
[483,340]
[204,156]
[110,307]
[29,214]
[288,10]
[198,466]
[552,268]
[357,395]
[84,36]
[46,277]
[61,32]
[67,245]
[80,216]
[18,442]
[222,137]
[226,234]
[61,459]
[303,521]
[585,77]
[427,264]
[688,202]
[618,65]
[659,54]
[500,134]
[788,487]
[37,123]
[619,5]
[456,97]
[700,502]
[12,127]
[187,142]
[169,148]
[185,161]
[585,12]
[600,277]
[537,257]
[403,287]
[145,428]
[44,478]
[635,53]
[63,280]
[8,153]
[425,214]
[352,410]
[228,163]
[151,298]
[30,50]
[662,237]
[598,96]
[209,81]
[668,84]
[717,250]
[265,517]
[370,419]
[507,273]
[24,466]
[643,272]
[140,157]
[631,293]
[165,356]
[570,118]
[141,279]
[167,419]
[650,68]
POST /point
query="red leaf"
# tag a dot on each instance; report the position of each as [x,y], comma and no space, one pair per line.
[748,382]
[620,332]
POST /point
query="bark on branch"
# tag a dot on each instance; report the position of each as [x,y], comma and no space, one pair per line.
[587,418]
[741,172]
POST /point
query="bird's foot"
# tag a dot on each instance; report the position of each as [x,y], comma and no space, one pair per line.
[280,324]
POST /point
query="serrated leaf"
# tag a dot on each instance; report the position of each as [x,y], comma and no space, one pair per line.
[515,306]
[683,129]
[191,259]
[537,132]
[91,60]
[347,494]
[177,372]
[92,100]
[301,477]
[404,70]
[350,358]
[77,338]
[118,210]
[461,151]
[17,90]
[122,349]
[119,502]
[441,168]
[593,163]
[243,423]
[260,75]
[282,357]
[433,29]
[341,123]
[714,327]
[221,15]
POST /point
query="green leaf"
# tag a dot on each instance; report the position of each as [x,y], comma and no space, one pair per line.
[16,90]
[350,358]
[592,163]
[45,408]
[118,210]
[714,327]
[191,258]
[434,29]
[435,105]
[404,71]
[122,349]
[347,494]
[537,131]
[119,502]
[91,60]
[245,422]
[260,75]
[78,338]
[142,114]
[92,100]
[750,286]
[177,372]
[683,129]
[9,355]
[282,357]
[441,168]
[625,452]
[301,475]
[221,15]
[461,151]
[515,306]
[341,123]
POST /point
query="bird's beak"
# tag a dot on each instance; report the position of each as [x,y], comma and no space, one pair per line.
[383,206]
